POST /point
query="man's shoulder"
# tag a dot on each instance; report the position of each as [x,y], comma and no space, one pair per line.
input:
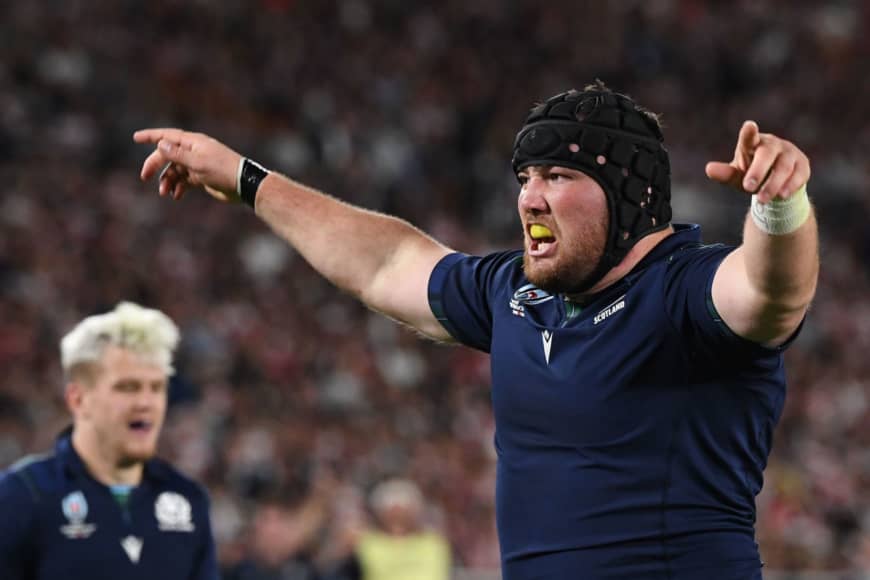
[30,478]
[506,258]
[167,478]
[494,271]
[690,256]
[496,259]
[676,257]
[684,244]
[34,461]
[696,249]
[501,267]
[25,487]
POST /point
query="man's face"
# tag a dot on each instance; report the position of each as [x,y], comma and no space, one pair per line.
[573,208]
[124,405]
[400,517]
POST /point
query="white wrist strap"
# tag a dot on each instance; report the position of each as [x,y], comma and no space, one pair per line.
[781,216]
[239,176]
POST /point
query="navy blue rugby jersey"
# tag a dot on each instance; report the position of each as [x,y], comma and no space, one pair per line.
[632,433]
[59,522]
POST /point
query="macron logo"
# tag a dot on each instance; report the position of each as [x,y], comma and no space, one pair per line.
[547,338]
[610,310]
[133,546]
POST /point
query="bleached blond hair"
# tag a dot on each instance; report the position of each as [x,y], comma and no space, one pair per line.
[147,332]
[396,492]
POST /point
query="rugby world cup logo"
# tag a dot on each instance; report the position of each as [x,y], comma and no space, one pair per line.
[75,509]
[528,294]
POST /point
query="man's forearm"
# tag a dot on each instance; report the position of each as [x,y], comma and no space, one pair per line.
[783,269]
[384,261]
[361,251]
[763,288]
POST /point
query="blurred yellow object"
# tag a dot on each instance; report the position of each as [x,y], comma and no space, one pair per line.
[418,556]
[537,231]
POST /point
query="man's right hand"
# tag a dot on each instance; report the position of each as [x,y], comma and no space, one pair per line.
[183,160]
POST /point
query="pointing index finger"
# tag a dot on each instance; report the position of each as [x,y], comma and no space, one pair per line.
[747,142]
[155,135]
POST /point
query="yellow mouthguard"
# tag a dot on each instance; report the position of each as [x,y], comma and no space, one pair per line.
[537,231]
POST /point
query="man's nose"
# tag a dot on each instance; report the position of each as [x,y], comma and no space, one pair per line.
[532,198]
[146,399]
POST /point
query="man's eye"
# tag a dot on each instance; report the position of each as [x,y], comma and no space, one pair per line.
[523,179]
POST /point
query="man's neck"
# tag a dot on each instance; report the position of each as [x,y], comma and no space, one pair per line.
[637,253]
[107,470]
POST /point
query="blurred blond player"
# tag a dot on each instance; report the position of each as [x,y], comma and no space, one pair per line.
[101,506]
[402,548]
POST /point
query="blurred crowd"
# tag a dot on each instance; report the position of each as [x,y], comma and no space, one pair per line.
[292,401]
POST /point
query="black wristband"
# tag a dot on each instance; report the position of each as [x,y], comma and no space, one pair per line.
[251,174]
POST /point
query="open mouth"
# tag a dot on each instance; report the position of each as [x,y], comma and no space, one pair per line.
[542,242]
[140,426]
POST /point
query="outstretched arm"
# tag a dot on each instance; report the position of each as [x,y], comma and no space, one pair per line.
[763,288]
[380,259]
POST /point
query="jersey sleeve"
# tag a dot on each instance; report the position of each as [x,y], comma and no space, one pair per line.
[206,567]
[461,292]
[16,527]
[688,292]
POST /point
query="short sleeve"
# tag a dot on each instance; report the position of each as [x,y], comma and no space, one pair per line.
[461,293]
[689,301]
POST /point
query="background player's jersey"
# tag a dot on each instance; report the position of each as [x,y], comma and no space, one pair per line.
[58,522]
[632,433]
[423,555]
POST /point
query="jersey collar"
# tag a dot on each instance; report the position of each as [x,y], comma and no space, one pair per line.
[684,235]
[74,466]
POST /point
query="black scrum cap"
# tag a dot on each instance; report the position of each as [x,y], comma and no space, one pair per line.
[608,137]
